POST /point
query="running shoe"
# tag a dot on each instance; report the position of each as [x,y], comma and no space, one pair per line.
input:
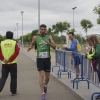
[43,97]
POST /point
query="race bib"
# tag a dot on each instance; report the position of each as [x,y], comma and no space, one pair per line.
[43,54]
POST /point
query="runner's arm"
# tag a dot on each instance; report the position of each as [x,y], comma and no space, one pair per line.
[52,43]
[32,43]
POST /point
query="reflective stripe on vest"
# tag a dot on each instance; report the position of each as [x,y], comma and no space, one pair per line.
[8,49]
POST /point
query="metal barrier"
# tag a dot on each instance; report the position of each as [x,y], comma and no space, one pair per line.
[81,66]
[93,77]
[57,53]
[60,62]
[65,62]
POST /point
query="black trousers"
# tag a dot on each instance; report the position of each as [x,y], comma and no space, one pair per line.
[12,68]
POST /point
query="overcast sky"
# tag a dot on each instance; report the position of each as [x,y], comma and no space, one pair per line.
[51,11]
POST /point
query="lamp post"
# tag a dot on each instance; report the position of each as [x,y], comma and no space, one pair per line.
[22,28]
[38,16]
[73,16]
[17,30]
[14,33]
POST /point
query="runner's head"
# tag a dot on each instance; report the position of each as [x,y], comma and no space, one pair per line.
[43,29]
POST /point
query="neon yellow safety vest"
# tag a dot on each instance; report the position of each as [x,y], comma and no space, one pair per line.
[8,49]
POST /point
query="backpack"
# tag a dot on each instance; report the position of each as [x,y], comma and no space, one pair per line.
[78,46]
[97,51]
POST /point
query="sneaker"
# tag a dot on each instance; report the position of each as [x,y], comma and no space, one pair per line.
[45,89]
[13,94]
[43,97]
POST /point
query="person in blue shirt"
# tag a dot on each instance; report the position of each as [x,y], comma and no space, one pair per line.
[74,50]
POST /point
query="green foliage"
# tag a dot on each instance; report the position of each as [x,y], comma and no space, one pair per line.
[70,30]
[59,39]
[1,38]
[63,39]
[79,38]
[60,27]
[96,9]
[86,24]
[49,31]
[34,32]
[56,39]
[98,20]
[26,38]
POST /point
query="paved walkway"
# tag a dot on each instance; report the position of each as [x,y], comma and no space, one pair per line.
[82,91]
[28,87]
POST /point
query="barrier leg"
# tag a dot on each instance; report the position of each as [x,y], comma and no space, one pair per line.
[88,84]
[55,66]
[76,85]
[73,85]
[70,74]
[94,94]
[97,97]
[63,71]
[58,74]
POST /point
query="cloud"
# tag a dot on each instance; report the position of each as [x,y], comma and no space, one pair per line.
[52,11]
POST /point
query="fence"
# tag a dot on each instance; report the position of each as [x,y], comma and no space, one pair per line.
[65,62]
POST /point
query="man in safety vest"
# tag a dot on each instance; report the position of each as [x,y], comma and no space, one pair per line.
[8,52]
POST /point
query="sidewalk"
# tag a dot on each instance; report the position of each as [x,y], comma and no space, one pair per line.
[82,91]
[28,86]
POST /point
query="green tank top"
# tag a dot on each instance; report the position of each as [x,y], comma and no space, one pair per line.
[43,49]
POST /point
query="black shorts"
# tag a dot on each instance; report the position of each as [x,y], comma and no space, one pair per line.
[44,64]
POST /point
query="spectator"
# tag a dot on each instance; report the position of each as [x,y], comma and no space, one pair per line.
[8,53]
[93,41]
[74,50]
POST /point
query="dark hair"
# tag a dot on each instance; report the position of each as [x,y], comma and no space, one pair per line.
[43,25]
[71,33]
[9,35]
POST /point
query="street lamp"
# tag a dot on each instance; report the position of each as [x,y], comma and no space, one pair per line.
[38,16]
[14,33]
[22,28]
[17,30]
[73,16]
